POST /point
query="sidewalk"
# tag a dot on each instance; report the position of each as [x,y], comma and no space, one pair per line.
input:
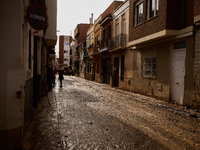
[43,131]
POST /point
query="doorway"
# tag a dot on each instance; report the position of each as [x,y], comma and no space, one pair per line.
[116,71]
[107,70]
[178,72]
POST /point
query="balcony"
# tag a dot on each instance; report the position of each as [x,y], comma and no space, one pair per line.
[93,49]
[105,45]
[118,43]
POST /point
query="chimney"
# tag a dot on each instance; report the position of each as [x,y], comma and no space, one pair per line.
[91,19]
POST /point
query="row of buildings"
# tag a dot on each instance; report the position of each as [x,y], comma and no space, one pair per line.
[28,39]
[150,47]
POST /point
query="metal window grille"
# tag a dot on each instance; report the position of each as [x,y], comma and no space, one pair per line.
[149,64]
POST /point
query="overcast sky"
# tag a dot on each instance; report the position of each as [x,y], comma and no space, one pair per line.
[72,12]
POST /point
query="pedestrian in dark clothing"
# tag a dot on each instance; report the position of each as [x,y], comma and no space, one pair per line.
[60,77]
[53,77]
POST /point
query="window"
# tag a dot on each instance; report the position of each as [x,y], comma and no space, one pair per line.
[183,13]
[109,32]
[97,40]
[152,8]
[124,25]
[179,45]
[70,63]
[122,67]
[117,29]
[149,67]
[138,12]
[70,52]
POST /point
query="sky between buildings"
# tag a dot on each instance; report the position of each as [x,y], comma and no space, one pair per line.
[72,12]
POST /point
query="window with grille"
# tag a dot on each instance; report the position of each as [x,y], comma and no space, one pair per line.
[149,67]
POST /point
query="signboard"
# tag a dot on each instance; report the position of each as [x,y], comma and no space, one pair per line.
[39,33]
[37,17]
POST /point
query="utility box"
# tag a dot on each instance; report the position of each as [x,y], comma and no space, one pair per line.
[159,87]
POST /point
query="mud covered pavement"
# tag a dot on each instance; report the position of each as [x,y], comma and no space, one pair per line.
[85,115]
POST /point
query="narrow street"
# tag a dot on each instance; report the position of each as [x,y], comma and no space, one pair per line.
[85,115]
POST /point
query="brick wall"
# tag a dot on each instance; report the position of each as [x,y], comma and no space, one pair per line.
[150,26]
[107,11]
[169,17]
[83,28]
[196,7]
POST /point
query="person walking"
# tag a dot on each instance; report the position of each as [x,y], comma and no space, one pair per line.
[53,77]
[60,77]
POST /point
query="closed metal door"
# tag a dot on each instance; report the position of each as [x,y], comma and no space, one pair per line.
[178,75]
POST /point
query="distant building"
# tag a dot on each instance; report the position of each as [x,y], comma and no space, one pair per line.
[80,33]
[64,50]
[72,54]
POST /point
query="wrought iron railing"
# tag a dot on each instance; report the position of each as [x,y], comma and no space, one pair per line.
[105,43]
[118,41]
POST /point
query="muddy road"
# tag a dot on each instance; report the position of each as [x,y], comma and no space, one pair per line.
[85,115]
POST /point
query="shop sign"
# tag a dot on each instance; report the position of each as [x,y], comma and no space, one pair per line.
[37,17]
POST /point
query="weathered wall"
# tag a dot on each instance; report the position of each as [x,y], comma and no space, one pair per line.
[189,85]
[149,86]
[11,106]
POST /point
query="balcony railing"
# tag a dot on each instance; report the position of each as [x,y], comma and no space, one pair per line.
[93,49]
[105,43]
[118,41]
